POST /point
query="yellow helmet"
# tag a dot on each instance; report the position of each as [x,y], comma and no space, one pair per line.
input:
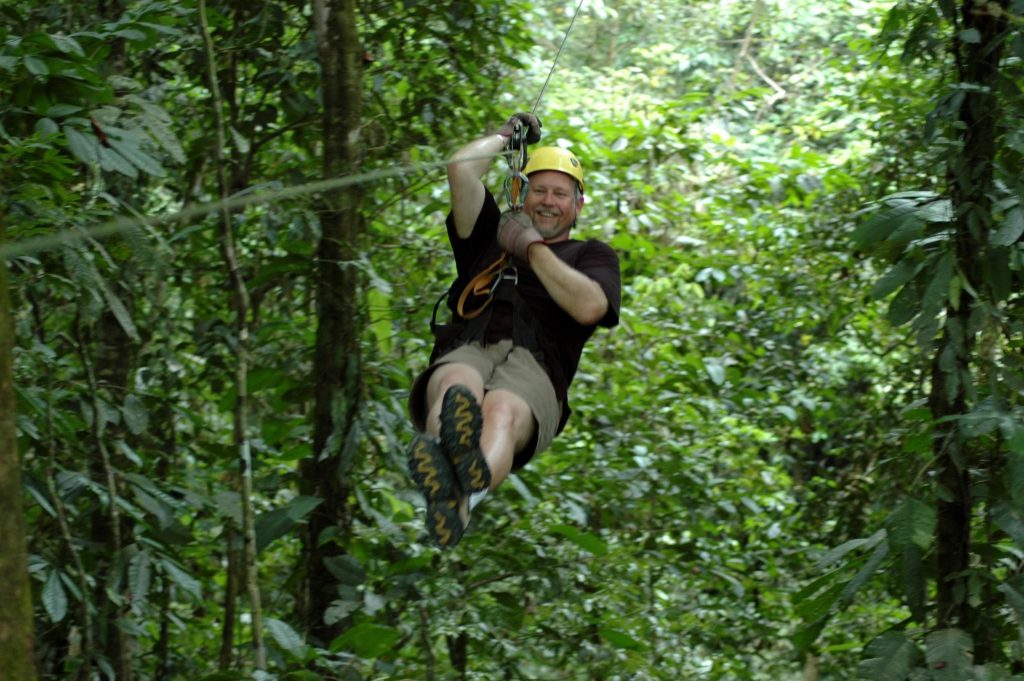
[555,158]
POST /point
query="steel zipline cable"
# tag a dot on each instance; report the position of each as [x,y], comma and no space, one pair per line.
[558,54]
[247,198]
[37,244]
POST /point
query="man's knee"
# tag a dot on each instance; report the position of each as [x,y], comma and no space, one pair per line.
[505,409]
[447,375]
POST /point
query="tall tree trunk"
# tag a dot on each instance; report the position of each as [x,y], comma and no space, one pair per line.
[16,625]
[337,362]
[969,175]
[108,376]
[240,305]
[109,371]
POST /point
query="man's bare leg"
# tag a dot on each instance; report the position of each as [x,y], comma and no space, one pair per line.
[508,427]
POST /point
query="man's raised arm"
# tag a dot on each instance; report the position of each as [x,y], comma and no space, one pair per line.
[470,163]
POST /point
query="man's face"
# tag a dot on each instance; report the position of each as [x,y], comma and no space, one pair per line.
[552,204]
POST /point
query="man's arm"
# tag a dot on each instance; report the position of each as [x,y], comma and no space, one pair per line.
[465,173]
[576,293]
[469,164]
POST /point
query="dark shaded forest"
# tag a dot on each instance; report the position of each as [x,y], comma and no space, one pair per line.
[799,456]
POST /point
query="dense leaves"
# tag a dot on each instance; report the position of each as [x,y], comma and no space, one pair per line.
[749,487]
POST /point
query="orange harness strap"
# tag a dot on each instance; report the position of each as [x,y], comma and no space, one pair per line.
[482,285]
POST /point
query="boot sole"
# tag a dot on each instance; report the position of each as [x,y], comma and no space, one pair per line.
[461,423]
[433,474]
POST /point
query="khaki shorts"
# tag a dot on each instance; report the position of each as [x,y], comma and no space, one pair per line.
[503,367]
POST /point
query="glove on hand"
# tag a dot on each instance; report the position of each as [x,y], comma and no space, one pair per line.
[516,234]
[529,121]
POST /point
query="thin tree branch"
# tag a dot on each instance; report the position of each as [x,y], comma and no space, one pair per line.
[240,302]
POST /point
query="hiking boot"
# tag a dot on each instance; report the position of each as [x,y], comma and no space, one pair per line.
[461,423]
[434,475]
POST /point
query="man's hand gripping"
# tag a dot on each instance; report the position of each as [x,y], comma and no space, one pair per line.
[516,234]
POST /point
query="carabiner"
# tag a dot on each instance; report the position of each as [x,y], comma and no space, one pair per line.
[516,183]
[516,186]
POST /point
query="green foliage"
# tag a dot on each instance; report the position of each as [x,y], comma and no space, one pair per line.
[890,657]
[948,653]
[745,488]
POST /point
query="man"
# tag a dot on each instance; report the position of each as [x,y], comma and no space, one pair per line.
[495,393]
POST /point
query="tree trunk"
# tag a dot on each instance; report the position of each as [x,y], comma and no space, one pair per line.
[109,380]
[337,362]
[16,625]
[240,306]
[969,175]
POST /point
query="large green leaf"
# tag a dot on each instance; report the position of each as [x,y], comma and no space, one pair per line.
[128,144]
[913,522]
[139,576]
[367,640]
[37,66]
[620,639]
[902,272]
[865,573]
[85,147]
[914,581]
[135,415]
[183,579]
[271,525]
[55,601]
[937,289]
[890,657]
[905,306]
[949,654]
[286,637]
[1010,519]
[585,540]
[112,161]
[1015,599]
[846,547]
[1011,228]
[884,223]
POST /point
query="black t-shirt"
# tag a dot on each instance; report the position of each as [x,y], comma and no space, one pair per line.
[567,337]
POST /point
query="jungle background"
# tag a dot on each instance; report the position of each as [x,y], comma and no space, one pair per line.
[800,455]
